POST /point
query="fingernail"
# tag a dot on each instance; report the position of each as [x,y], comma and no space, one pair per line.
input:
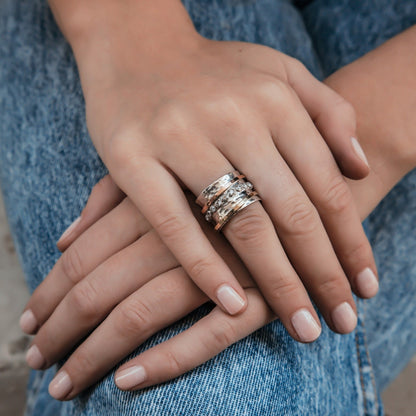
[305,325]
[367,283]
[230,299]
[344,318]
[34,358]
[60,386]
[130,377]
[359,150]
[28,322]
[69,230]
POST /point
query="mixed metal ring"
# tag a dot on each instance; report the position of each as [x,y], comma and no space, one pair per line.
[226,197]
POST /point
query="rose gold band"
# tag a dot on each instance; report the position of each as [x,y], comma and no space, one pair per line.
[225,197]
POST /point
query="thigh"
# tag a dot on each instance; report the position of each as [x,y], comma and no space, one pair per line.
[343,31]
[48,167]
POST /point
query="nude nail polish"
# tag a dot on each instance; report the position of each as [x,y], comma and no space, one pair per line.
[60,386]
[344,318]
[305,325]
[69,230]
[230,299]
[367,283]
[34,358]
[130,377]
[359,150]
[27,322]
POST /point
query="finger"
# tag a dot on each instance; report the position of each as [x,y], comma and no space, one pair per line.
[303,236]
[159,197]
[256,242]
[105,196]
[90,301]
[129,325]
[316,171]
[110,234]
[334,117]
[98,293]
[204,340]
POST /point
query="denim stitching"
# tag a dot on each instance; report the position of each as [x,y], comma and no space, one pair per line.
[361,372]
[373,381]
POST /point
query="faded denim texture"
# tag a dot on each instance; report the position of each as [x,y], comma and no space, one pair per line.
[48,167]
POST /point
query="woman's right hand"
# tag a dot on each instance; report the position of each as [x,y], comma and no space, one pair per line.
[182,110]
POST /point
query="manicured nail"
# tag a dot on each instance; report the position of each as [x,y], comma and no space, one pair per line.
[34,358]
[69,230]
[60,386]
[230,299]
[28,322]
[344,318]
[130,377]
[305,325]
[359,150]
[367,283]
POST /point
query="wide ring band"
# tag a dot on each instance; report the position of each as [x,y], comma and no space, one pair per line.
[225,197]
[216,188]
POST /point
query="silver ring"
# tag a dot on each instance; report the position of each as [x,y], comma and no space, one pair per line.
[225,197]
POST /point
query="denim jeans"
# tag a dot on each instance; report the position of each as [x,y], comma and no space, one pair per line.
[48,166]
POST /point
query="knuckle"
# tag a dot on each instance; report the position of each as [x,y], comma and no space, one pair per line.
[72,264]
[117,151]
[299,217]
[339,112]
[201,267]
[276,91]
[249,227]
[173,363]
[227,111]
[281,290]
[171,225]
[82,363]
[333,286]
[359,254]
[298,65]
[348,112]
[222,334]
[133,318]
[124,152]
[337,197]
[83,300]
[170,121]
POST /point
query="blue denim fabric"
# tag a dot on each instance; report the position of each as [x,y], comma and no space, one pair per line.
[48,167]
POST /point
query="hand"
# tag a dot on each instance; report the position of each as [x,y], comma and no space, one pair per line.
[118,284]
[367,194]
[193,113]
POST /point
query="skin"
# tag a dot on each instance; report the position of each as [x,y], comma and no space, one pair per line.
[232,105]
[139,312]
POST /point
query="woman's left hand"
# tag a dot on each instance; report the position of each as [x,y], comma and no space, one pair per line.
[126,289]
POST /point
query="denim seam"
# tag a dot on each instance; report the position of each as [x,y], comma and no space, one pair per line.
[364,360]
[373,381]
[361,372]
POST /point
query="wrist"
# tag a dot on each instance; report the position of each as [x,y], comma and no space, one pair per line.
[390,150]
[385,127]
[100,29]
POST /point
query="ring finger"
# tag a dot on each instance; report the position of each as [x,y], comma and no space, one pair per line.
[299,228]
[256,242]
